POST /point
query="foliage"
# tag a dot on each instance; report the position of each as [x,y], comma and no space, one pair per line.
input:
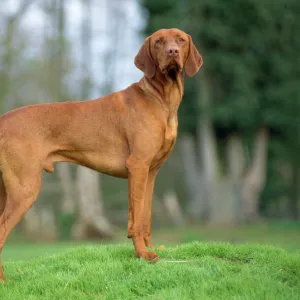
[251,60]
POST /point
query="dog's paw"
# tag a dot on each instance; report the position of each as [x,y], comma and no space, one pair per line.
[151,257]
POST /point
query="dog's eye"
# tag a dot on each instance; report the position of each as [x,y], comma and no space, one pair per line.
[159,41]
[181,40]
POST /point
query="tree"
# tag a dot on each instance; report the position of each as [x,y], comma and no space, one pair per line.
[92,222]
[10,24]
[239,100]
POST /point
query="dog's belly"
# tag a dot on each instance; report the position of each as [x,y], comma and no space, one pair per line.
[112,164]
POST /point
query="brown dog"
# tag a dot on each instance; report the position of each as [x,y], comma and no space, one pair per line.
[127,134]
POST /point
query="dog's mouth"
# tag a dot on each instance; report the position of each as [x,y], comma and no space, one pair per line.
[172,69]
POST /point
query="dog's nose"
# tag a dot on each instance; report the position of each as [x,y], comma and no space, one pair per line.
[173,51]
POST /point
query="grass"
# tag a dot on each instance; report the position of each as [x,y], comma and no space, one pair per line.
[190,271]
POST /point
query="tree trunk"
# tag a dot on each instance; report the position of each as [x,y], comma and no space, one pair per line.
[39,224]
[197,207]
[235,158]
[236,163]
[209,162]
[255,178]
[92,222]
[217,191]
[222,203]
[173,207]
[30,224]
[67,184]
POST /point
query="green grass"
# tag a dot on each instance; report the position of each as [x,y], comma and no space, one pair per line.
[190,271]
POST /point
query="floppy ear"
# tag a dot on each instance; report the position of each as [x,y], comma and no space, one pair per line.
[194,60]
[144,61]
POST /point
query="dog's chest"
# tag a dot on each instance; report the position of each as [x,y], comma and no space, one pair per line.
[171,132]
[168,142]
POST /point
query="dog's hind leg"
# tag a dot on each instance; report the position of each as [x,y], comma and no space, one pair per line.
[21,192]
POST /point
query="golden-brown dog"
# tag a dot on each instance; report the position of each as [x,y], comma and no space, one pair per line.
[127,134]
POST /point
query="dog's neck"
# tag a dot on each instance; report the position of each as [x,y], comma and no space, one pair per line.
[169,91]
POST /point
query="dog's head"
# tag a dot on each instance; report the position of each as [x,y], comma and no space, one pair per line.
[168,51]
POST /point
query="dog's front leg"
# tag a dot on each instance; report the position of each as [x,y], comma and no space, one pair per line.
[138,172]
[148,207]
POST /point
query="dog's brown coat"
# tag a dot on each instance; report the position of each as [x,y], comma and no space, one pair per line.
[126,134]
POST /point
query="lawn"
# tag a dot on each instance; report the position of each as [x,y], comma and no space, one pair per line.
[205,269]
[190,271]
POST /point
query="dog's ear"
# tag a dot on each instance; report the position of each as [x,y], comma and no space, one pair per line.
[194,60]
[144,61]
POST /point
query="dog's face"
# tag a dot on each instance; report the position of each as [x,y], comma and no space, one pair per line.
[168,51]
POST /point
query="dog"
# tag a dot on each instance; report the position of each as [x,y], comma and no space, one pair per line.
[127,134]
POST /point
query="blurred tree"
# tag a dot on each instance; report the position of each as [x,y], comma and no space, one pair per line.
[91,222]
[12,70]
[38,65]
[59,54]
[247,87]
[40,221]
[10,24]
